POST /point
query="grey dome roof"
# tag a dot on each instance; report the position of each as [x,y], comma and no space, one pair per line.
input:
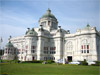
[48,14]
[9,44]
[31,32]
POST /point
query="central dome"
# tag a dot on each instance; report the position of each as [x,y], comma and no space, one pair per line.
[48,14]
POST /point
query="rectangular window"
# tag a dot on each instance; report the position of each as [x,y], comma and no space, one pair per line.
[5,51]
[33,47]
[54,48]
[14,51]
[45,48]
[53,58]
[48,22]
[26,47]
[44,58]
[84,51]
[87,46]
[26,51]
[82,46]
[32,51]
[21,57]
[87,51]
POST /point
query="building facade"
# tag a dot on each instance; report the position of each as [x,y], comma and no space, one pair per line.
[51,42]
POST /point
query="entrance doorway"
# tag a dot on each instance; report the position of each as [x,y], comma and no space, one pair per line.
[69,58]
[33,58]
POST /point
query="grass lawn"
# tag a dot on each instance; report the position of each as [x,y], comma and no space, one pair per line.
[47,69]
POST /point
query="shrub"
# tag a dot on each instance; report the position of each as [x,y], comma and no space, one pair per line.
[84,62]
[6,61]
[0,61]
[16,61]
[49,61]
[37,61]
[34,61]
[9,61]
[97,63]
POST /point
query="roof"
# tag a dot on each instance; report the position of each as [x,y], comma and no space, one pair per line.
[9,44]
[31,32]
[87,26]
[48,14]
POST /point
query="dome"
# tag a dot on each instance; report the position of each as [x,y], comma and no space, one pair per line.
[31,32]
[48,14]
[87,26]
[9,44]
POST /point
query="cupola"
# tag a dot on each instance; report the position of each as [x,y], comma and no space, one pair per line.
[48,21]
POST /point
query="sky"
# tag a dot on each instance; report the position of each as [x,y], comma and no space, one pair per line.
[18,15]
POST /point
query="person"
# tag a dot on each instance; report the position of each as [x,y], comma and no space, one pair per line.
[44,62]
[66,61]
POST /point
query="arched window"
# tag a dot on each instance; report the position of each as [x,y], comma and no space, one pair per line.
[69,46]
[43,23]
[84,46]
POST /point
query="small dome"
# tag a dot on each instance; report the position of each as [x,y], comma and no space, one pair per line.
[87,26]
[9,44]
[31,32]
[48,14]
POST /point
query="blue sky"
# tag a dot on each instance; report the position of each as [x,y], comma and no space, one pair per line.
[17,15]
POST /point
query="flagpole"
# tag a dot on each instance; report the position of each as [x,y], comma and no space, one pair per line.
[0,46]
[0,43]
[1,40]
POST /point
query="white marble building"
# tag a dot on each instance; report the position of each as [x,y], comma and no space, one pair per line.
[51,42]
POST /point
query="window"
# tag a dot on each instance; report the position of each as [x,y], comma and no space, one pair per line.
[52,50]
[33,49]
[22,52]
[15,51]
[26,51]
[46,50]
[84,51]
[26,47]
[85,46]
[45,58]
[5,51]
[43,23]
[21,57]
[87,51]
[54,25]
[49,23]
[82,46]
[52,58]
[69,46]
[18,52]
